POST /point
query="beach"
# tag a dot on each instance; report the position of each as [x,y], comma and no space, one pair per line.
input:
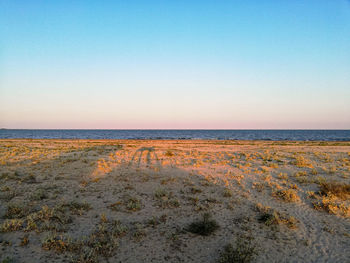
[174,201]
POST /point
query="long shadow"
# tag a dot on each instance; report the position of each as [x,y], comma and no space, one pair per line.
[37,168]
[150,151]
[140,177]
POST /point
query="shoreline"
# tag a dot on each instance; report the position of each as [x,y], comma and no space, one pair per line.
[222,135]
[179,140]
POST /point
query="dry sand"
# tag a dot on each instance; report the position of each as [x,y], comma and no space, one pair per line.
[133,200]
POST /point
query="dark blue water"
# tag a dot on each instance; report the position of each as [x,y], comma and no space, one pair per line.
[298,135]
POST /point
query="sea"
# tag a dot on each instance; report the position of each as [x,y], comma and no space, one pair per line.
[275,135]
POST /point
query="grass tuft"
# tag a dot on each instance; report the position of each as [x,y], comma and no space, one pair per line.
[78,208]
[169,153]
[340,190]
[273,217]
[288,195]
[244,251]
[15,211]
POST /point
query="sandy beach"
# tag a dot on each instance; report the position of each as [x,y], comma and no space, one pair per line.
[174,201]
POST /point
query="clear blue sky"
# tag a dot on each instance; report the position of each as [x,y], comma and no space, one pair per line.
[175,64]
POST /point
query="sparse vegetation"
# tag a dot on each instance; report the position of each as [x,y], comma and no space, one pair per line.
[244,251]
[133,204]
[11,225]
[16,211]
[287,195]
[195,190]
[64,197]
[39,194]
[332,206]
[340,190]
[77,208]
[331,196]
[161,193]
[169,153]
[59,243]
[301,161]
[227,192]
[165,199]
[24,241]
[102,242]
[271,216]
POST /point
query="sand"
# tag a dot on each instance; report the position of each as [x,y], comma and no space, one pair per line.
[134,200]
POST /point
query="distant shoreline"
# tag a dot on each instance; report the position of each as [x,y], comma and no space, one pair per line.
[221,135]
[190,141]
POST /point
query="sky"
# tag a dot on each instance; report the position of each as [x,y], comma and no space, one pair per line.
[177,64]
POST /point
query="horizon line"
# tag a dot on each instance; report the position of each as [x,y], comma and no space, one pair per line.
[174,129]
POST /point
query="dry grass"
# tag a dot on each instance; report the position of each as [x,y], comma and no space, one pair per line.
[301,161]
[287,195]
[16,211]
[59,243]
[282,176]
[40,178]
[244,251]
[332,206]
[100,243]
[129,204]
[340,190]
[77,208]
[270,216]
[331,198]
[169,153]
[11,225]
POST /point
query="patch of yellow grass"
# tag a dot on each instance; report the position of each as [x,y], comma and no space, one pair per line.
[340,190]
[332,206]
[287,195]
[301,161]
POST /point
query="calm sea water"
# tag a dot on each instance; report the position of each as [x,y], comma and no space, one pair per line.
[299,135]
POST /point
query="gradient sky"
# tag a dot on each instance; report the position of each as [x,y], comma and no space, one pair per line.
[175,64]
